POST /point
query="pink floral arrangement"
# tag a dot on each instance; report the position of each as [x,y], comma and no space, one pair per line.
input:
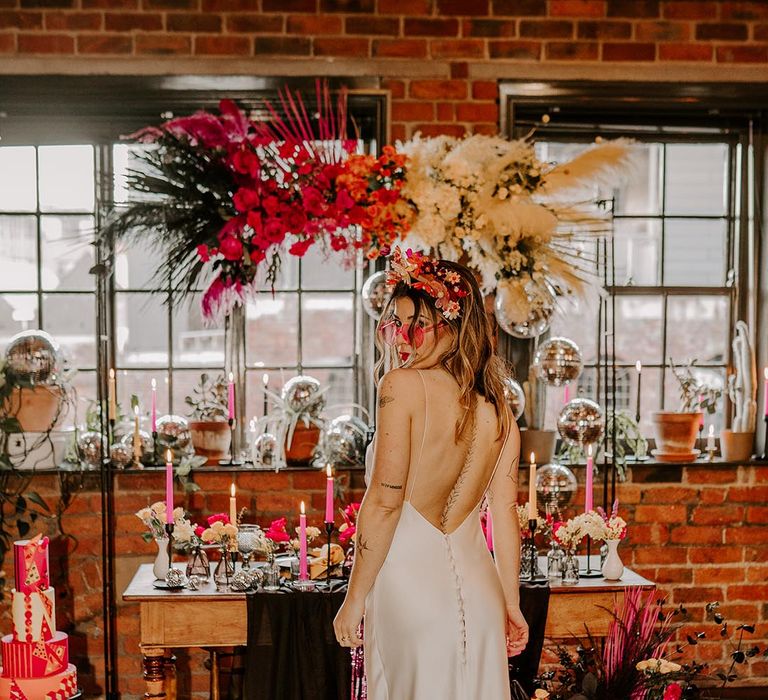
[348,528]
[615,527]
[277,531]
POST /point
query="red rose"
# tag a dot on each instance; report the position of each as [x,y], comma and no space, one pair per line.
[218,518]
[347,534]
[245,199]
[673,692]
[257,255]
[301,247]
[277,531]
[339,242]
[203,253]
[199,529]
[231,248]
[313,201]
[344,201]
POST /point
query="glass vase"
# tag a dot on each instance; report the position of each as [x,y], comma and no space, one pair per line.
[198,564]
[271,574]
[554,561]
[570,576]
[225,569]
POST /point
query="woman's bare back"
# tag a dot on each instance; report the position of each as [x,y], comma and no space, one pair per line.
[446,480]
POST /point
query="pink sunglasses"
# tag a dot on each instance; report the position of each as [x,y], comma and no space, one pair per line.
[390,330]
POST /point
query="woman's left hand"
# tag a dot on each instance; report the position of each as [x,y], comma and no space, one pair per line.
[347,623]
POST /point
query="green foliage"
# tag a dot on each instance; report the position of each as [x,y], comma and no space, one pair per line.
[695,395]
[208,401]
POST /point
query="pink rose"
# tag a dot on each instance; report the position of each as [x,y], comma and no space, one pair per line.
[673,692]
[246,199]
[199,529]
[218,518]
[203,252]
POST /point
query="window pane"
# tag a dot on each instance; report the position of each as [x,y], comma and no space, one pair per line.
[18,189]
[134,265]
[66,178]
[141,330]
[325,271]
[124,158]
[18,238]
[695,252]
[184,381]
[341,388]
[67,252]
[83,382]
[577,320]
[640,192]
[638,329]
[71,319]
[327,329]
[194,344]
[139,382]
[18,312]
[695,179]
[272,331]
[650,396]
[697,328]
[637,247]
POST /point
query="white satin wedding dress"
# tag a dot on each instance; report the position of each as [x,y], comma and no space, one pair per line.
[435,617]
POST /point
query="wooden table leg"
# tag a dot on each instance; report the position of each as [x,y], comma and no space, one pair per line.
[170,676]
[214,674]
[155,660]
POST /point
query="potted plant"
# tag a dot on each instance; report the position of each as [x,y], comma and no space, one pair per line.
[676,431]
[208,414]
[736,443]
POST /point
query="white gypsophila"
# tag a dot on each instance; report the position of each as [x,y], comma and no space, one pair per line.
[614,528]
[592,524]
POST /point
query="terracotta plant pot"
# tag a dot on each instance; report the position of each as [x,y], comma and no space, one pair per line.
[302,447]
[736,447]
[210,439]
[675,433]
[36,408]
[540,442]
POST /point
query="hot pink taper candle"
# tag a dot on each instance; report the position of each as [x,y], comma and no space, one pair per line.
[588,494]
[765,391]
[566,394]
[328,495]
[302,544]
[489,529]
[168,487]
[154,406]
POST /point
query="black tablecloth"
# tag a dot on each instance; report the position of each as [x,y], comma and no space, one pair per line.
[292,652]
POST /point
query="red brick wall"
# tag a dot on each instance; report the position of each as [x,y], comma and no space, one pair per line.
[396,38]
[702,536]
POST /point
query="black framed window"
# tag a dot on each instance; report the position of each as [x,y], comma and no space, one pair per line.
[62,170]
[678,263]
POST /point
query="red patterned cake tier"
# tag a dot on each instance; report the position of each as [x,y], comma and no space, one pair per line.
[34,659]
[60,686]
[30,562]
[34,615]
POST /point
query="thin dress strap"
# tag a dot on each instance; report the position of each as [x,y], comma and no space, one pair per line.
[423,436]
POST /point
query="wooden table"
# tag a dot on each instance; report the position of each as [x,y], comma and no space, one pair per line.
[205,618]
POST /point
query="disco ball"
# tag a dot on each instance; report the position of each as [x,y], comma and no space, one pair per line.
[524,312]
[581,422]
[344,441]
[558,361]
[175,578]
[555,485]
[33,357]
[264,450]
[241,580]
[173,433]
[302,395]
[121,455]
[515,397]
[89,448]
[375,294]
[147,445]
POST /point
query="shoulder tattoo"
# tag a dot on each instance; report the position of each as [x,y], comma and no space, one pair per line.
[384,400]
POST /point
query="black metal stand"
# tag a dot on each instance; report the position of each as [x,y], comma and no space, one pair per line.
[534,578]
[699,440]
[589,572]
[169,532]
[155,461]
[231,462]
[328,532]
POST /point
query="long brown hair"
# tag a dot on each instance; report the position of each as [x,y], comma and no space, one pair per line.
[471,359]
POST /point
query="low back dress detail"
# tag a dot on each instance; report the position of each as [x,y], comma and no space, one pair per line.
[435,616]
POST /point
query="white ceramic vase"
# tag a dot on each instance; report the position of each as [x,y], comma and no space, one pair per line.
[613,567]
[161,565]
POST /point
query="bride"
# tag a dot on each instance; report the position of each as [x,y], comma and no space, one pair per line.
[440,618]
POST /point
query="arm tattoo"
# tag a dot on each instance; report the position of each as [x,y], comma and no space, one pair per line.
[512,466]
[362,545]
[396,487]
[384,400]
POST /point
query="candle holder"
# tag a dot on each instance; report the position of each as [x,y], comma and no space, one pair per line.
[231,462]
[169,532]
[589,572]
[699,440]
[535,577]
[303,585]
[328,532]
[710,453]
[155,461]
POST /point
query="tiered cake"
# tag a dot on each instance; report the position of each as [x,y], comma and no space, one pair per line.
[35,657]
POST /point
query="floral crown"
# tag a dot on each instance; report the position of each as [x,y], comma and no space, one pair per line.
[417,270]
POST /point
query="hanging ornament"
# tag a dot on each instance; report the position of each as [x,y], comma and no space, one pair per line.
[524,309]
[302,395]
[375,294]
[343,441]
[173,433]
[515,397]
[556,485]
[558,361]
[33,357]
[581,422]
